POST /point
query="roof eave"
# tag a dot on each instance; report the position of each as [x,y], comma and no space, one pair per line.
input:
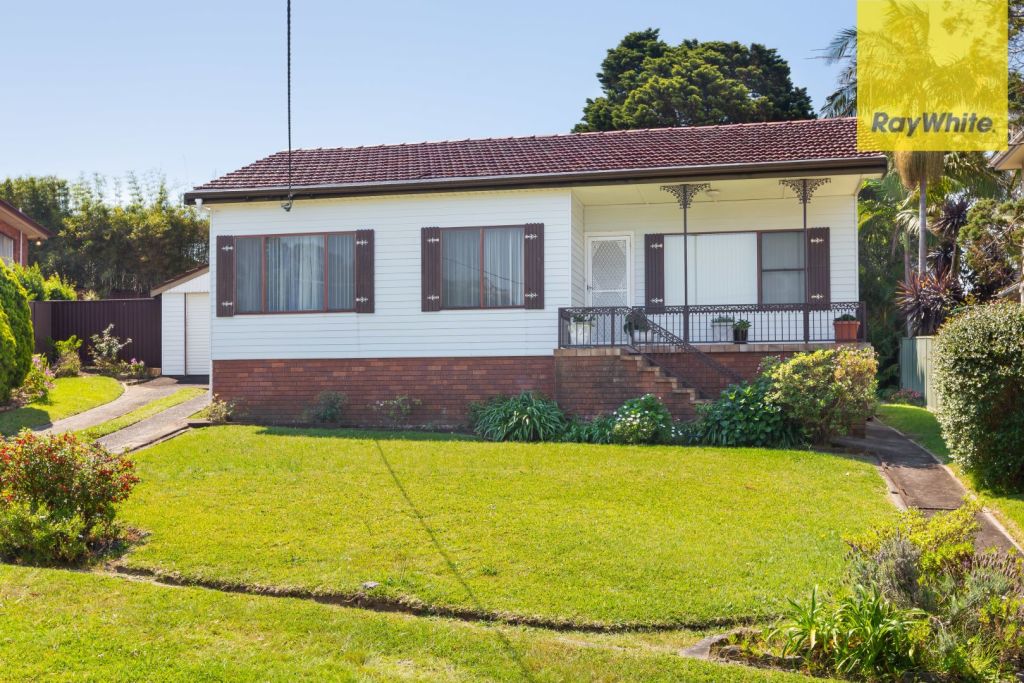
[857,165]
[17,219]
[180,280]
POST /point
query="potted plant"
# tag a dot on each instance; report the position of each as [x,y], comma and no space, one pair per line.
[721,328]
[581,329]
[846,326]
[636,326]
[740,330]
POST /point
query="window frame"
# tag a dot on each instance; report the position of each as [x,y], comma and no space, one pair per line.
[761,270]
[263,274]
[480,229]
[15,256]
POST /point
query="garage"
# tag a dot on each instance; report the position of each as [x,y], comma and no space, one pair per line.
[185,323]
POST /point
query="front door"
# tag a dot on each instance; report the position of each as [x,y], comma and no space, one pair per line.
[608,271]
[608,282]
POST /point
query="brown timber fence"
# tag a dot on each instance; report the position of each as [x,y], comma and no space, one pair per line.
[138,319]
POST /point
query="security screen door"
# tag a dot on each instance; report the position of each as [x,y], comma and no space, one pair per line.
[608,274]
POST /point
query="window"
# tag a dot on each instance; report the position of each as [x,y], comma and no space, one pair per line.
[482,267]
[782,268]
[295,273]
[6,249]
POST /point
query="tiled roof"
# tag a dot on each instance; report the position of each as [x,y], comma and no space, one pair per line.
[571,154]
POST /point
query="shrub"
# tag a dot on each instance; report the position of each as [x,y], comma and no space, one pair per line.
[67,363]
[922,600]
[744,415]
[17,341]
[526,417]
[31,279]
[826,392]
[219,411]
[56,288]
[598,430]
[642,420]
[862,633]
[907,397]
[134,368]
[328,408]
[979,377]
[395,412]
[38,381]
[105,351]
[58,496]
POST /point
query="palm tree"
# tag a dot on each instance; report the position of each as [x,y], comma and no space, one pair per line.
[916,169]
[842,50]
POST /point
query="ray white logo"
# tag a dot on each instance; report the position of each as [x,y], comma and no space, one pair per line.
[931,122]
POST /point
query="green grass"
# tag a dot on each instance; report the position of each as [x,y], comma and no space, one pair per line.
[69,396]
[141,413]
[594,534]
[922,426]
[58,625]
[917,423]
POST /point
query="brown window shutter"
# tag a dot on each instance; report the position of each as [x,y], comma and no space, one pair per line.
[364,271]
[430,269]
[533,265]
[819,285]
[654,271]
[225,294]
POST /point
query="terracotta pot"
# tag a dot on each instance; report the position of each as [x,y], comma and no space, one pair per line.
[846,331]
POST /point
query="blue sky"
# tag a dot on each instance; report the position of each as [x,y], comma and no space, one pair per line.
[194,89]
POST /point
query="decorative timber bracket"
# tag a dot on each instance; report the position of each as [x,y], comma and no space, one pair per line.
[804,188]
[685,192]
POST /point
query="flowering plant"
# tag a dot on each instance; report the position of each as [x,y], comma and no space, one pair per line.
[58,489]
[642,420]
[37,383]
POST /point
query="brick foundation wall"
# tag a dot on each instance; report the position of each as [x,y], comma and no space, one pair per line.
[596,382]
[281,390]
[744,360]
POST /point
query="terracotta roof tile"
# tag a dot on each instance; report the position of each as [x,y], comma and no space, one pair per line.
[788,141]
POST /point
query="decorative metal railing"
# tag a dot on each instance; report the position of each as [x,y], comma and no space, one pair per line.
[655,328]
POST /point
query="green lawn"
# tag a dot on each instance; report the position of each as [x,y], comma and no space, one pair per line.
[920,424]
[69,396]
[139,414]
[588,534]
[59,625]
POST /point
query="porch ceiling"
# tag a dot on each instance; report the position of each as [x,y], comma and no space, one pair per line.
[728,190]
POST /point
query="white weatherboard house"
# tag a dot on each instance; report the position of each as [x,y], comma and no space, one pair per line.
[589,267]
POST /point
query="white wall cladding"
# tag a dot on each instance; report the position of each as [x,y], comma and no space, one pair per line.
[172,324]
[399,328]
[837,212]
[172,333]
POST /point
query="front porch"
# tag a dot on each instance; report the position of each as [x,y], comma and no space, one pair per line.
[659,328]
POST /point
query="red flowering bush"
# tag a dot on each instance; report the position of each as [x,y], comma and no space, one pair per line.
[58,495]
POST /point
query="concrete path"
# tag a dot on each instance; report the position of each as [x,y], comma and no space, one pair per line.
[135,396]
[919,480]
[152,429]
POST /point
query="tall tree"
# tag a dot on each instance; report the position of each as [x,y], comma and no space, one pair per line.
[916,170]
[648,83]
[122,247]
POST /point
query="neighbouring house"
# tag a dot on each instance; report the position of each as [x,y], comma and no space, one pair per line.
[185,324]
[591,267]
[16,232]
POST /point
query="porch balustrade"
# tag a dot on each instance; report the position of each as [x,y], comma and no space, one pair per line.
[649,326]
